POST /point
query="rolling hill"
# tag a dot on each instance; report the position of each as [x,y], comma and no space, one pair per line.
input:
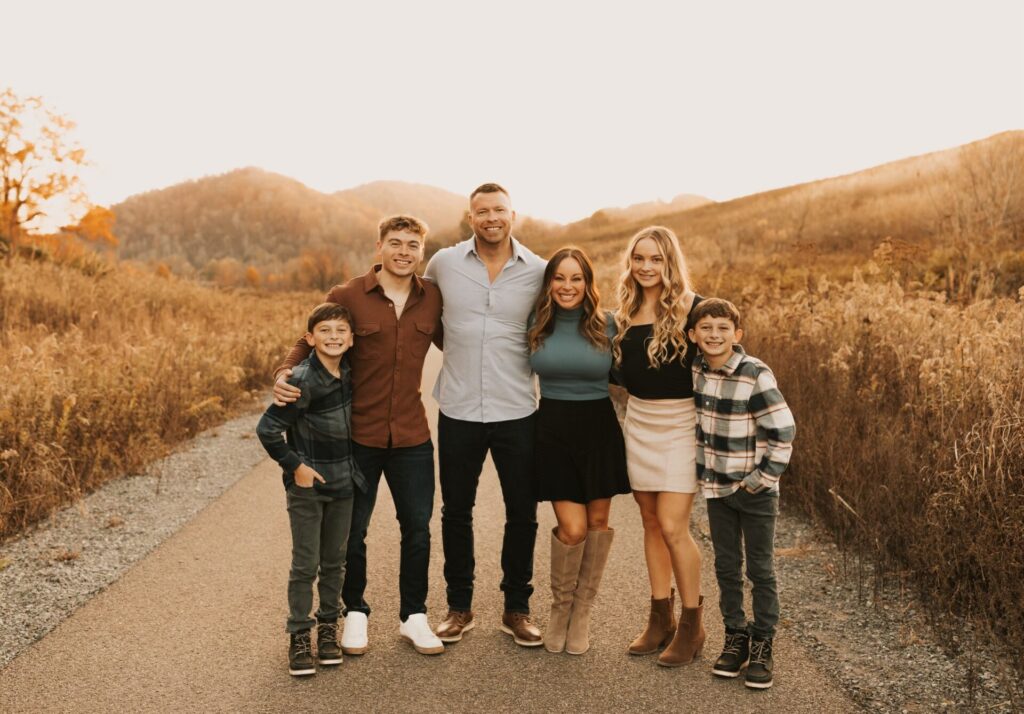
[265,220]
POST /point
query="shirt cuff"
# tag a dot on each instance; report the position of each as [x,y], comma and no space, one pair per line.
[754,482]
[291,462]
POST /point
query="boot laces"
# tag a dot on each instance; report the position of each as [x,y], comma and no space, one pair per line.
[760,651]
[327,632]
[733,643]
[303,645]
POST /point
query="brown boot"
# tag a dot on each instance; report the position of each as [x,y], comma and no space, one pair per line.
[595,555]
[689,638]
[661,626]
[565,569]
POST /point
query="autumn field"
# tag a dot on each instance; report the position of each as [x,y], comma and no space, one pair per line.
[104,372]
[890,304]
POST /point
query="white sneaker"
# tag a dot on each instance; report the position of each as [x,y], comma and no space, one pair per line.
[416,631]
[353,638]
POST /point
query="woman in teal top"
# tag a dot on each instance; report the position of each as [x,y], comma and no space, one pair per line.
[580,453]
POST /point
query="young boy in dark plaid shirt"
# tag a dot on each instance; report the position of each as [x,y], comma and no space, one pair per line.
[745,433]
[319,476]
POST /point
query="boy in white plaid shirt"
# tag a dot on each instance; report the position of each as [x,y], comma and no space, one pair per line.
[745,434]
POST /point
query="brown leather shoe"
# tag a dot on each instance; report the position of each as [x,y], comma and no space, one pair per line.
[523,631]
[455,624]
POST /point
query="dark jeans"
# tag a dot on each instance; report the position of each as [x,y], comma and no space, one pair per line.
[462,447]
[746,521]
[320,527]
[410,475]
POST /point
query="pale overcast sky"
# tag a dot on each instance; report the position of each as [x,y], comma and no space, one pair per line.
[573,106]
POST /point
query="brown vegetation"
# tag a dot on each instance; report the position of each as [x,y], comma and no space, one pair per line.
[251,226]
[103,372]
[890,304]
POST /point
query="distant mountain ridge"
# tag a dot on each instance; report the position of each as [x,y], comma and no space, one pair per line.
[264,219]
[251,217]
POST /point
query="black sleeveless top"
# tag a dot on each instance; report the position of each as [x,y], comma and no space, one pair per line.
[672,380]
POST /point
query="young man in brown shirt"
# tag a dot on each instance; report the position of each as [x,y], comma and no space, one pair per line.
[396,315]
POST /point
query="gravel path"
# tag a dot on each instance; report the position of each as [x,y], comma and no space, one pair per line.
[56,567]
[837,650]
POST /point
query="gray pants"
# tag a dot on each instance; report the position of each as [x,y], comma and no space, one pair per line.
[320,526]
[746,522]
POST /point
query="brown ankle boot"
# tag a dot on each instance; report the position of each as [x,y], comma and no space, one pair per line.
[661,626]
[689,638]
[565,570]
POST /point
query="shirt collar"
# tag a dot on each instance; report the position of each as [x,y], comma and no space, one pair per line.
[469,248]
[730,365]
[321,371]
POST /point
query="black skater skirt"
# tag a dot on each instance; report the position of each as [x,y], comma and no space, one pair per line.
[580,454]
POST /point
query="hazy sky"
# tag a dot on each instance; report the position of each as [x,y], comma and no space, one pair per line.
[571,106]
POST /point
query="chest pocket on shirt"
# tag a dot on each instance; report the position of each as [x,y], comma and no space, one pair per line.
[422,337]
[366,343]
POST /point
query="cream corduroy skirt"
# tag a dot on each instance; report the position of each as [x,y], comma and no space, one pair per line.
[661,443]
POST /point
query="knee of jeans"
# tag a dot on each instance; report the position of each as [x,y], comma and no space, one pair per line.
[457,515]
[761,574]
[418,526]
[303,573]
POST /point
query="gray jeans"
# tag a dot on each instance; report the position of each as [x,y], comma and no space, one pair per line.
[320,526]
[745,522]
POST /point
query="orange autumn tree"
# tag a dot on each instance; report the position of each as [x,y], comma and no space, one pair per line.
[39,163]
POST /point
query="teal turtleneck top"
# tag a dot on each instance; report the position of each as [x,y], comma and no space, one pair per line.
[569,366]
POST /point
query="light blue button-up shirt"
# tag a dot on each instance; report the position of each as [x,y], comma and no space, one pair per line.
[486,374]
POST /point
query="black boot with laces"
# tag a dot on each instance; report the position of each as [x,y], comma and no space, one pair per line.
[759,671]
[300,654]
[734,654]
[327,649]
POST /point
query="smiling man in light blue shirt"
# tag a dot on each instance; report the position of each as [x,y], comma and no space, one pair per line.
[487,402]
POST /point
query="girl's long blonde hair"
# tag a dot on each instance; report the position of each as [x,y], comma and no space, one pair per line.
[592,322]
[668,338]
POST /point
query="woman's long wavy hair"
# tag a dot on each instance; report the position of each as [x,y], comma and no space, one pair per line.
[668,339]
[593,323]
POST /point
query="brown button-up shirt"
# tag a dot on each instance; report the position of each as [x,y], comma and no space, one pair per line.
[387,359]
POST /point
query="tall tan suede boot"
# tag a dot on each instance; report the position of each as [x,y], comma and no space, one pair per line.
[689,638]
[661,626]
[565,570]
[595,555]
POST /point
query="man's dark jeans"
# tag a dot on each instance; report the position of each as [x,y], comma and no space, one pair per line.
[462,447]
[410,475]
[746,521]
[320,526]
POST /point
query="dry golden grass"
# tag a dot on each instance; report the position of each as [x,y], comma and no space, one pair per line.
[910,414]
[103,373]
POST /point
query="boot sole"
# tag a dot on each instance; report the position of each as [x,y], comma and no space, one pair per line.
[759,685]
[635,653]
[354,650]
[725,674]
[330,661]
[458,637]
[301,672]
[696,656]
[423,650]
[657,648]
[522,643]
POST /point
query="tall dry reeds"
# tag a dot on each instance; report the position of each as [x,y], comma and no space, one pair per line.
[99,374]
[911,438]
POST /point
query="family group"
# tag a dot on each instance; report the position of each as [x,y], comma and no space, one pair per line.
[701,416]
